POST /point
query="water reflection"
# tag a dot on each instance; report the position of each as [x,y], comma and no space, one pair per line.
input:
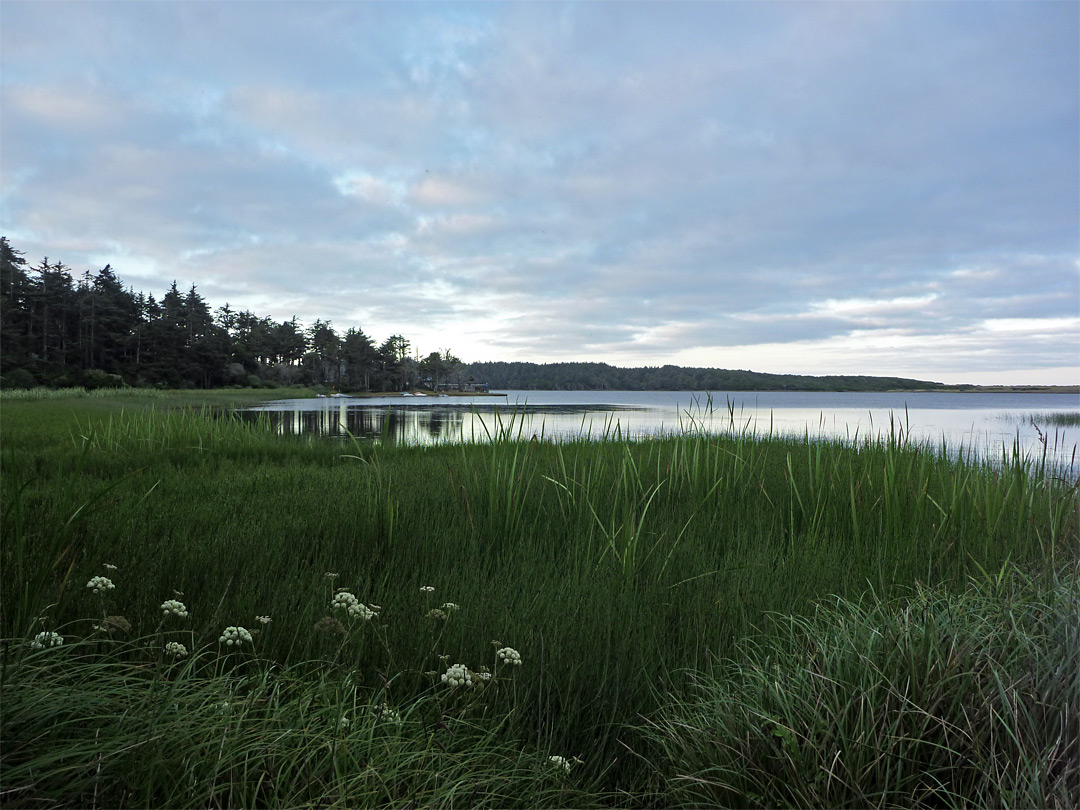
[989,424]
[434,424]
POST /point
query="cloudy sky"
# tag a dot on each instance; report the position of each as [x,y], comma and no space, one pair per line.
[878,188]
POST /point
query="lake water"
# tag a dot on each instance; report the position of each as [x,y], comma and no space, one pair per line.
[981,422]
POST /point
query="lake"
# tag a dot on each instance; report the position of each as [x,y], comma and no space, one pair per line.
[985,423]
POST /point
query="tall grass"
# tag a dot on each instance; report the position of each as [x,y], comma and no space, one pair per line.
[86,727]
[152,394]
[935,699]
[621,570]
[1053,418]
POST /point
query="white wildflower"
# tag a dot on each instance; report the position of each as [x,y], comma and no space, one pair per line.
[435,613]
[46,639]
[352,606]
[100,584]
[508,655]
[560,762]
[234,636]
[331,576]
[457,675]
[109,566]
[263,619]
[172,607]
[387,714]
[427,589]
[344,722]
[175,649]
[448,606]
[343,600]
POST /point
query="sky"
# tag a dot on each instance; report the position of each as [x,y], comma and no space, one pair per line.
[800,187]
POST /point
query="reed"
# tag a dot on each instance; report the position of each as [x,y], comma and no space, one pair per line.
[1053,419]
[622,571]
[934,699]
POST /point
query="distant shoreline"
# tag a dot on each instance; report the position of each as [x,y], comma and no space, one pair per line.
[947,389]
[997,389]
[1013,389]
[586,376]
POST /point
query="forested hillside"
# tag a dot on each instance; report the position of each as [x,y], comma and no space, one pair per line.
[601,376]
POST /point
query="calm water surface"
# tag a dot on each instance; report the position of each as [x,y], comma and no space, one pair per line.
[979,422]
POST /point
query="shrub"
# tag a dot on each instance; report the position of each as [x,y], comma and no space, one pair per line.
[94,378]
[19,378]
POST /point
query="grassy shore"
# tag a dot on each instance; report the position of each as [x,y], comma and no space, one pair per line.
[699,619]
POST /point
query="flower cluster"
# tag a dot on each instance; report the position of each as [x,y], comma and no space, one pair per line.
[263,619]
[109,566]
[175,649]
[457,675]
[449,606]
[386,714]
[508,655]
[560,762]
[234,635]
[427,589]
[46,639]
[100,584]
[353,606]
[174,608]
[435,613]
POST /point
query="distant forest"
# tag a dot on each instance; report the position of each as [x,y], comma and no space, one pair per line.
[601,376]
[92,331]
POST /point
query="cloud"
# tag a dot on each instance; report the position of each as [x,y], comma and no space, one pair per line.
[440,192]
[370,189]
[805,184]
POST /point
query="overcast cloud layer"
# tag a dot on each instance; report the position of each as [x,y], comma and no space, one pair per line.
[807,188]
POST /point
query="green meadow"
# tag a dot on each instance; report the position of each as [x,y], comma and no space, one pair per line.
[700,620]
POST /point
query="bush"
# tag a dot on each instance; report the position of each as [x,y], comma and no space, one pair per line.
[94,378]
[19,378]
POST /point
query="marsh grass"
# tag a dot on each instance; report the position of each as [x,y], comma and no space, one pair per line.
[94,728]
[171,396]
[1053,418]
[622,570]
[43,392]
[935,699]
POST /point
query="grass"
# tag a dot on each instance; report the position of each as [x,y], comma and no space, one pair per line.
[1054,419]
[935,699]
[122,734]
[629,575]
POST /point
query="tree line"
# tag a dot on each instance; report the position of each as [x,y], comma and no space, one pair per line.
[601,376]
[92,331]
